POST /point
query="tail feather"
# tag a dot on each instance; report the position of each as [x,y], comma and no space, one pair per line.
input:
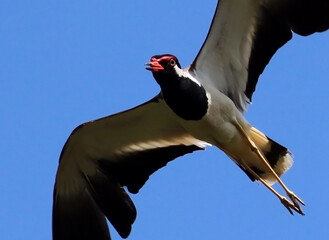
[278,156]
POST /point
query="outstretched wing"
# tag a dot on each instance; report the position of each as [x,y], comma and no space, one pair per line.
[102,156]
[243,37]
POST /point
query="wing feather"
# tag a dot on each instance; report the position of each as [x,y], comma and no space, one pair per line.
[103,156]
[243,37]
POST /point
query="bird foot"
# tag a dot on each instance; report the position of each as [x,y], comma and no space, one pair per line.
[296,200]
[294,205]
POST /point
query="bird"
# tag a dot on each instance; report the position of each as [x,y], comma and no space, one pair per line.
[199,106]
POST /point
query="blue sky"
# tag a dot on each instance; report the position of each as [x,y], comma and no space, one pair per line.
[63,63]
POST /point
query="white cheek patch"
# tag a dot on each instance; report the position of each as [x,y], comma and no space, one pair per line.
[182,73]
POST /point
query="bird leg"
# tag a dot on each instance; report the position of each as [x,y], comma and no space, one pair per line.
[288,204]
[294,198]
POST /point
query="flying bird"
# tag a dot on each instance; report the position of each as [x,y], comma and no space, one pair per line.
[198,106]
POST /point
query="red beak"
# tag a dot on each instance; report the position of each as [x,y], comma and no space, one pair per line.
[154,65]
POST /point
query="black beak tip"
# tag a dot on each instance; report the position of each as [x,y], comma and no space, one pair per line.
[148,64]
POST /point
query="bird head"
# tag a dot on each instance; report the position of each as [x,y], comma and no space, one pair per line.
[165,66]
[162,63]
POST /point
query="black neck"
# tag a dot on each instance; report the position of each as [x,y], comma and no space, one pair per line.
[185,97]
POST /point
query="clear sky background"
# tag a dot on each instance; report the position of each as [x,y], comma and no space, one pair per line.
[63,63]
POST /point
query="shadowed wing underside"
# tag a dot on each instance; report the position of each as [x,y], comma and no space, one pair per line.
[102,156]
[243,37]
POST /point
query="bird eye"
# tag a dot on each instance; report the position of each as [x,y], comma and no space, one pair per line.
[172,62]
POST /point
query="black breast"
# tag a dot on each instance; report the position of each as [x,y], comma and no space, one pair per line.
[185,97]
